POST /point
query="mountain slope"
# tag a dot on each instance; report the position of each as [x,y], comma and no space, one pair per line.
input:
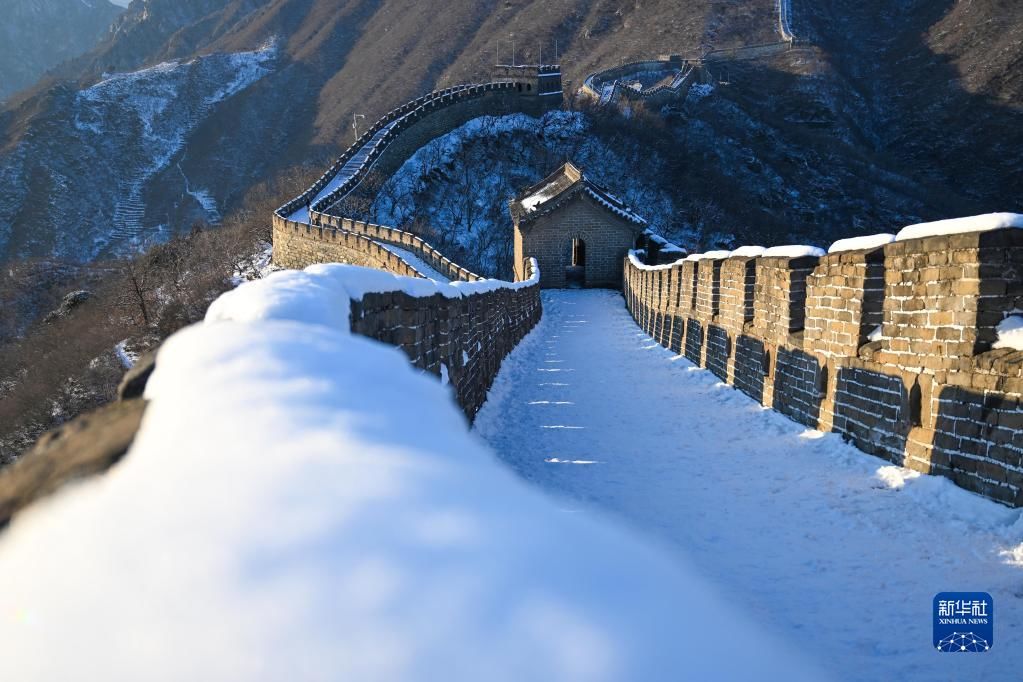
[939,89]
[36,35]
[333,58]
[873,124]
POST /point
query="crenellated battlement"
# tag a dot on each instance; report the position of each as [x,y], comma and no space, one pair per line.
[542,80]
[928,392]
[313,228]
[846,291]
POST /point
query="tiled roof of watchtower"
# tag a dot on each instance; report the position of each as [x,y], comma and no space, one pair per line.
[558,187]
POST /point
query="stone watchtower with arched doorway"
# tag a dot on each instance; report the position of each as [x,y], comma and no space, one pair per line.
[578,232]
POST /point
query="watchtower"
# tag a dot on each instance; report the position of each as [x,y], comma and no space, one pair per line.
[542,81]
[578,232]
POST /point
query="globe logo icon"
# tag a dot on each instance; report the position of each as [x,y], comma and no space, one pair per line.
[963,641]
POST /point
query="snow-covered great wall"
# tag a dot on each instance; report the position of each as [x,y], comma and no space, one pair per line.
[299,500]
[465,329]
[906,347]
[313,227]
[660,81]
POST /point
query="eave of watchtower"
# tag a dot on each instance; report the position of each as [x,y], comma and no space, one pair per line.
[558,188]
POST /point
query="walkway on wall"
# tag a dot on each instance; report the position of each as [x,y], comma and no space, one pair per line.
[420,265]
[837,551]
[347,172]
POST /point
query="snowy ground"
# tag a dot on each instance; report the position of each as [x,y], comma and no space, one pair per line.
[836,551]
[301,503]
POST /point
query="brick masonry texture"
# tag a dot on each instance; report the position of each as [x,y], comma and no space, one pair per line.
[848,291]
[469,337]
[297,245]
[930,394]
[608,239]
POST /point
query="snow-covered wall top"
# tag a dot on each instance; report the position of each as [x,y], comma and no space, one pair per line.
[860,243]
[671,78]
[636,261]
[978,223]
[981,223]
[300,494]
[323,293]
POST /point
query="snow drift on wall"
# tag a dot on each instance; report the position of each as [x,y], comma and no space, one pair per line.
[303,503]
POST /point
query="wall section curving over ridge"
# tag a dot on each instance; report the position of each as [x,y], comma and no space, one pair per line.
[312,228]
[893,346]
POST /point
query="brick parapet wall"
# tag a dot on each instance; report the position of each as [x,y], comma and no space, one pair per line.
[672,331]
[439,120]
[845,293]
[410,127]
[687,288]
[428,101]
[708,289]
[738,277]
[960,415]
[298,245]
[405,240]
[779,301]
[945,295]
[464,338]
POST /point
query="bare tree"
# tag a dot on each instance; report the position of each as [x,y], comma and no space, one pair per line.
[137,297]
[704,217]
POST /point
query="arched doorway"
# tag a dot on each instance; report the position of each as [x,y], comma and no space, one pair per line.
[575,271]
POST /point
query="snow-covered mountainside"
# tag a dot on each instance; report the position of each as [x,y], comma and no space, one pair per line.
[455,190]
[36,35]
[128,143]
